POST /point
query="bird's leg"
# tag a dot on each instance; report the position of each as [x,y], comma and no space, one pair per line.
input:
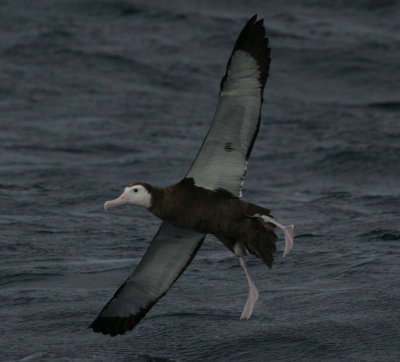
[253,292]
[240,252]
[288,230]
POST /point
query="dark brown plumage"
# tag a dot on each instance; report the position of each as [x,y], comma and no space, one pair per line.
[229,219]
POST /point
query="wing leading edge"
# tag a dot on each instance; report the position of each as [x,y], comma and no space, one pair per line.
[168,255]
[220,165]
[221,162]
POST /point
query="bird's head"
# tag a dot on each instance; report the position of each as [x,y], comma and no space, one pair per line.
[134,194]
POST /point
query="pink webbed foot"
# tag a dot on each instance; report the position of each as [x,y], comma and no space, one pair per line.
[288,230]
[253,292]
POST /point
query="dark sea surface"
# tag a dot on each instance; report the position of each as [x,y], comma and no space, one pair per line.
[98,94]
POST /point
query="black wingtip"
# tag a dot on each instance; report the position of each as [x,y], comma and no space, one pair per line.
[252,19]
[113,326]
[252,39]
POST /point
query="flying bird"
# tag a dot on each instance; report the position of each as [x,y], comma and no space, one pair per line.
[208,199]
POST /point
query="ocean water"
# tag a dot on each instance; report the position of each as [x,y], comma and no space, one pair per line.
[96,94]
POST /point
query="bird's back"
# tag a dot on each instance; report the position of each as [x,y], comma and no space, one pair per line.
[188,206]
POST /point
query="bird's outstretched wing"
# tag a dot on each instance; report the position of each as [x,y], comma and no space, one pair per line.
[168,255]
[221,162]
[220,165]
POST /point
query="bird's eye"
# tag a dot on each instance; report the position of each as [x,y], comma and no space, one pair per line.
[135,190]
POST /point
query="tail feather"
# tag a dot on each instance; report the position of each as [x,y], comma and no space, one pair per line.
[261,242]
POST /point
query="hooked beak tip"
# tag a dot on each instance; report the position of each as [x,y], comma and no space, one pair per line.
[118,201]
[107,205]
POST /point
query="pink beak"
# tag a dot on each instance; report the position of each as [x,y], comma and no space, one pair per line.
[118,201]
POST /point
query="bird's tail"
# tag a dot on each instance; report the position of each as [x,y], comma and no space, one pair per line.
[260,241]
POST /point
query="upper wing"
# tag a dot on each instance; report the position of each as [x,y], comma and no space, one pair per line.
[220,165]
[221,162]
[170,252]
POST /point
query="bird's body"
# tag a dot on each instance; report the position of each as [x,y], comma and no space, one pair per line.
[207,200]
[228,218]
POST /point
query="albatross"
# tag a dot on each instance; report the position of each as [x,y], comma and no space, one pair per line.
[208,199]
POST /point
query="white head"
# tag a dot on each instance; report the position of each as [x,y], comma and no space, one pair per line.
[134,194]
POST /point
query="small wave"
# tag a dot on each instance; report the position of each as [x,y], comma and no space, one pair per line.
[148,358]
[34,357]
[83,149]
[381,234]
[334,195]
[308,236]
[192,315]
[376,5]
[23,277]
[56,34]
[363,162]
[12,187]
[386,106]
[348,155]
[106,8]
